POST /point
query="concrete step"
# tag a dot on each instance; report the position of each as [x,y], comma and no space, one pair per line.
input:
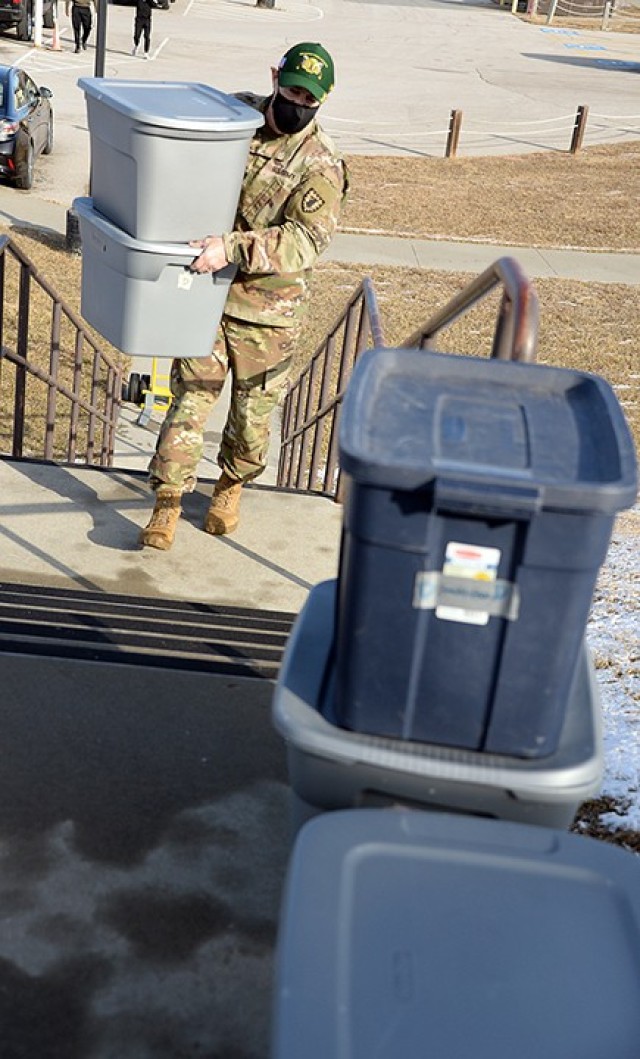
[166,634]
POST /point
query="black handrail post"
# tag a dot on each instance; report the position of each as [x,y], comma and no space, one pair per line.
[101,38]
[54,364]
[22,345]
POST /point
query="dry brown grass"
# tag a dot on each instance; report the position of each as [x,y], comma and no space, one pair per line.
[587,822]
[588,200]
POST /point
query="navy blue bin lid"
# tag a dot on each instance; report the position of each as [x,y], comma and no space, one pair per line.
[413,418]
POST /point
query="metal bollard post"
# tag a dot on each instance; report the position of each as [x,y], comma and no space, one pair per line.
[72,240]
[552,11]
[453,135]
[606,15]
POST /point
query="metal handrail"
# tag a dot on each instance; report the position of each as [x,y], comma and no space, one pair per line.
[516,333]
[311,410]
[105,388]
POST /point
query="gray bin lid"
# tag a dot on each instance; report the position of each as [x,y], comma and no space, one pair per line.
[174,105]
[408,934]
[482,431]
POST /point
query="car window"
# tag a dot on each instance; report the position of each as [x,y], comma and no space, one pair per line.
[19,93]
[31,89]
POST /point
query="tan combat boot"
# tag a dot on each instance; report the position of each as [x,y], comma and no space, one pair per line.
[162,524]
[224,511]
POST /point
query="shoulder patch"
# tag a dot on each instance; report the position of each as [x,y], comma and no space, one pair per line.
[312,201]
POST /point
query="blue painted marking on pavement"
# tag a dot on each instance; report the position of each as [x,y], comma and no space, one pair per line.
[587,47]
[562,32]
[619,64]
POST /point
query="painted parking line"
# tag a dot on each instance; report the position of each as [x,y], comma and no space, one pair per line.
[160,47]
[47,60]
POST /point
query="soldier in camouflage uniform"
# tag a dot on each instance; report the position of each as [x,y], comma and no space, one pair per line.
[289,206]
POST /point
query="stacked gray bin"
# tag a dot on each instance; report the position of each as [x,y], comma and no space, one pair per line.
[408,935]
[167,163]
[416,678]
[333,768]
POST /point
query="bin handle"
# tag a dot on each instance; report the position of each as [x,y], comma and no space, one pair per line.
[487,498]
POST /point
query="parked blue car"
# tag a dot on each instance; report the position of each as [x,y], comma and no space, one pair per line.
[26,125]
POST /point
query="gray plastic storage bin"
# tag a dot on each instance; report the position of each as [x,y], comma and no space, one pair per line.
[142,297]
[480,500]
[333,768]
[414,935]
[167,158]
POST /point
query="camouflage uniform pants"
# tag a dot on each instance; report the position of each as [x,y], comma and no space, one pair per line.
[259,359]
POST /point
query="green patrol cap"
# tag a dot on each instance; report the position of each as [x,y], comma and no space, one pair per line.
[307,66]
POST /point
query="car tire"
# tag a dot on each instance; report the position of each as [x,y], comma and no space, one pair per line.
[24,28]
[48,146]
[24,175]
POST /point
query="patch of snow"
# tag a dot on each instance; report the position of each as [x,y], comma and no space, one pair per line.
[613,635]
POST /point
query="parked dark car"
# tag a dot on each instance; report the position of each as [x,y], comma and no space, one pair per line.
[19,14]
[26,125]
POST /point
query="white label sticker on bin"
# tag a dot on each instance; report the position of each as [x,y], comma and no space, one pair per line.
[468,589]
[474,563]
[185,279]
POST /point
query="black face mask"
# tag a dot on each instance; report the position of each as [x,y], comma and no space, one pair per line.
[290,117]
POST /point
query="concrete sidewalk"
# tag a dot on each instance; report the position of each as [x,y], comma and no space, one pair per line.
[443,256]
[349,248]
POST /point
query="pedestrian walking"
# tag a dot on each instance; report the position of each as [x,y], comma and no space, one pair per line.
[81,21]
[142,26]
[292,192]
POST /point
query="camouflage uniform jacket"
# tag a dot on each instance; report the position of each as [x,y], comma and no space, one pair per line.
[289,206]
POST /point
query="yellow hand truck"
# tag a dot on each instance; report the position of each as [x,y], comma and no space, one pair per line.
[152,392]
